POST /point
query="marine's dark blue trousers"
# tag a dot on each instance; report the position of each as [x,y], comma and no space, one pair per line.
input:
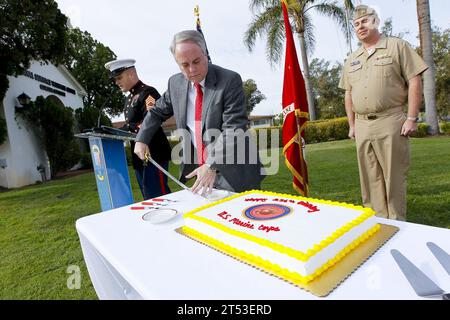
[152,182]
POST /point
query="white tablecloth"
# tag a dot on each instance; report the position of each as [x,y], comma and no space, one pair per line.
[129,258]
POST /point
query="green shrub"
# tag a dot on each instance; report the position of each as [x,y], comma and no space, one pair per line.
[86,160]
[87,118]
[316,131]
[312,133]
[53,125]
[445,127]
[422,129]
[329,130]
[3,130]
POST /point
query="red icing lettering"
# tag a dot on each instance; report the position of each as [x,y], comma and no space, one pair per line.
[268,228]
[224,215]
[242,224]
[312,208]
[256,199]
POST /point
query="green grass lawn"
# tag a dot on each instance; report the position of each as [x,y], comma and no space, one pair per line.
[38,240]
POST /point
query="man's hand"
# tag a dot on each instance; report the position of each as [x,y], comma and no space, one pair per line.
[205,179]
[141,150]
[409,126]
[350,114]
[351,133]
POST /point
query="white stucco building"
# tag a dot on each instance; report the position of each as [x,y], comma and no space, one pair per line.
[22,153]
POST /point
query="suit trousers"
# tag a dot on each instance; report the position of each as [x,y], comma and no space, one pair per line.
[383,160]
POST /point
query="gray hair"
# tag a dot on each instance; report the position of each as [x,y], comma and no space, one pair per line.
[188,36]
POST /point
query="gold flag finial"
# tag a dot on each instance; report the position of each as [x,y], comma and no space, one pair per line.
[197,11]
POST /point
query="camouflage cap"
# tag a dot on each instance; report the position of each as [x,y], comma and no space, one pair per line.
[362,10]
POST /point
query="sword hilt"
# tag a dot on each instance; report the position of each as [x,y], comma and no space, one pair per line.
[146,158]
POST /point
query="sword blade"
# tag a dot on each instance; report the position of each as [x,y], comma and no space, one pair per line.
[156,164]
[185,187]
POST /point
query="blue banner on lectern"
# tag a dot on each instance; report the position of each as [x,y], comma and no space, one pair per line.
[111,172]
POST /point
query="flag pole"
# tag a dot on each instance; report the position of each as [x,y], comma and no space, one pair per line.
[199,29]
[197,13]
[299,136]
[294,101]
[302,158]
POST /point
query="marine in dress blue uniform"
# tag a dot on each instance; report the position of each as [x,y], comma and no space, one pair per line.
[141,98]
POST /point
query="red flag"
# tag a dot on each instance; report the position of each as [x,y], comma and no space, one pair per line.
[295,112]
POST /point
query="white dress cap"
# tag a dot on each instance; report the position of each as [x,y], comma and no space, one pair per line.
[116,67]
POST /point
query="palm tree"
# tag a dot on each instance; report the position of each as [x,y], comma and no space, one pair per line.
[429,76]
[268,20]
[348,5]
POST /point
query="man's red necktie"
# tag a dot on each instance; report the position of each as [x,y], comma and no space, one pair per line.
[198,124]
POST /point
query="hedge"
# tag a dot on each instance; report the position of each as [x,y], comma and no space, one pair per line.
[337,129]
[445,127]
[52,124]
[316,131]
[422,129]
[3,130]
[321,131]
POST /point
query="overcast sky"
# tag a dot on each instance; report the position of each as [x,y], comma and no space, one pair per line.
[143,29]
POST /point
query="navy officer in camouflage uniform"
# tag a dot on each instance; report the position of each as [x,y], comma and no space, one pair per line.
[141,98]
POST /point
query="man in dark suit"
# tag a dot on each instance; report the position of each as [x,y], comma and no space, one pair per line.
[141,98]
[209,105]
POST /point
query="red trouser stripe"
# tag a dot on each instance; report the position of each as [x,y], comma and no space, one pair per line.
[161,182]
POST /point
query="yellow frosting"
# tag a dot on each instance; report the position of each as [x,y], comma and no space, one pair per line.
[275,269]
[299,255]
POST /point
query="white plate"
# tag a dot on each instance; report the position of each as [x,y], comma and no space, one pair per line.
[218,194]
[159,215]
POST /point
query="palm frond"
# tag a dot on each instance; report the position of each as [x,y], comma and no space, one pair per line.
[261,25]
[349,4]
[333,11]
[296,5]
[275,41]
[310,39]
[257,5]
[269,21]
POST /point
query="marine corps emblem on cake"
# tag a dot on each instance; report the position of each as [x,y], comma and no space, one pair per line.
[267,211]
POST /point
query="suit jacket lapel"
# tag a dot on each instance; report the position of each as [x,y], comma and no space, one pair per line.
[183,95]
[209,92]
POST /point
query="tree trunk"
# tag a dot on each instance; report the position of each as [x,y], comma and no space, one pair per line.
[309,92]
[429,76]
[347,30]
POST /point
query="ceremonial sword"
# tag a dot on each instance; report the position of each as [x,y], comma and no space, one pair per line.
[185,187]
